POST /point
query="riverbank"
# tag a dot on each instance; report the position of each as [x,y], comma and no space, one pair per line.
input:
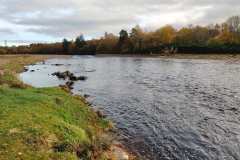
[179,56]
[48,123]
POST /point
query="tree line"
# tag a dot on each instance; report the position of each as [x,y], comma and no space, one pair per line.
[214,38]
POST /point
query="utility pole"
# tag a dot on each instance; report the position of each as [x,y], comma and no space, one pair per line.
[5,43]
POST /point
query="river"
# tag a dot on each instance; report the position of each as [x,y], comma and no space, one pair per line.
[165,109]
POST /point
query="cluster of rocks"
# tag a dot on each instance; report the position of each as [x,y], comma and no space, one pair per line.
[67,75]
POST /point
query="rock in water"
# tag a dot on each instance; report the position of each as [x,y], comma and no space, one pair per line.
[82,78]
[86,96]
[69,84]
[25,69]
[58,64]
[72,77]
[100,114]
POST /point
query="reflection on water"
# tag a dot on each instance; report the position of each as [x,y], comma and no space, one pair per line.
[164,109]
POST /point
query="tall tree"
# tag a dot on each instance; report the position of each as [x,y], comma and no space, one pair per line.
[66,45]
[123,42]
[80,41]
[200,35]
[184,37]
[166,34]
[234,24]
[137,36]
[107,43]
[123,36]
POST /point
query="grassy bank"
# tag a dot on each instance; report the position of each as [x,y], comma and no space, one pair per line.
[46,123]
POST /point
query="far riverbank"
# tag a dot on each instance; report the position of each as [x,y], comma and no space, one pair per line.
[179,56]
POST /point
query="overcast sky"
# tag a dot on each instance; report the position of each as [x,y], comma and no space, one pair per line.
[55,19]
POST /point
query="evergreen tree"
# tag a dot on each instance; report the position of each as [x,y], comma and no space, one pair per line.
[80,42]
[66,45]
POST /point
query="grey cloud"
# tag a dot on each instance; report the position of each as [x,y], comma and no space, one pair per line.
[6,31]
[59,18]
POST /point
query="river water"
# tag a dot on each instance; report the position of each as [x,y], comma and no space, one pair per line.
[165,109]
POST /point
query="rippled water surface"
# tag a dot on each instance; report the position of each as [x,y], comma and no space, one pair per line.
[164,108]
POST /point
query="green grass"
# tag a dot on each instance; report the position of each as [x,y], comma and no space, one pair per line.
[46,123]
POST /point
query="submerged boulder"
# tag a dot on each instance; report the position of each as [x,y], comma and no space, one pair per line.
[82,78]
[57,64]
